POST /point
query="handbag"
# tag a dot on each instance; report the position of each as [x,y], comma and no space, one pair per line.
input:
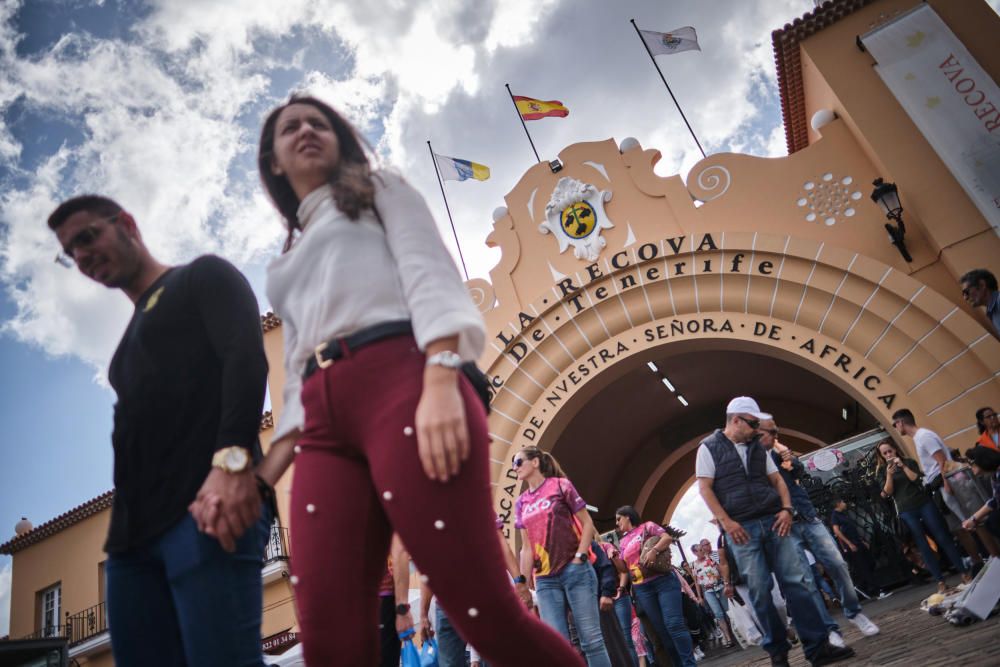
[408,655]
[479,381]
[661,564]
[429,653]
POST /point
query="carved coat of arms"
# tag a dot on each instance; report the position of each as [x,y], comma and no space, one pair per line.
[575,215]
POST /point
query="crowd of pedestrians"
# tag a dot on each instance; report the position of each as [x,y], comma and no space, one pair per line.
[383,419]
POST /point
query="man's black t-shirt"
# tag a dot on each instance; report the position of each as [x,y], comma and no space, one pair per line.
[190,375]
[846,526]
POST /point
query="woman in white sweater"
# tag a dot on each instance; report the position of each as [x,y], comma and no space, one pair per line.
[387,433]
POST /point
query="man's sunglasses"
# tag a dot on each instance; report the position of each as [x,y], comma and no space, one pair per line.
[752,423]
[83,239]
[772,431]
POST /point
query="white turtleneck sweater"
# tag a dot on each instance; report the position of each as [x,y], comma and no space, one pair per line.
[344,275]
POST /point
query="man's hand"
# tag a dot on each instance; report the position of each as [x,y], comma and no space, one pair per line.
[606,603]
[227,505]
[426,631]
[524,594]
[735,531]
[782,523]
[404,622]
[852,546]
[442,433]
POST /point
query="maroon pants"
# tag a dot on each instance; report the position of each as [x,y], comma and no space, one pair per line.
[358,478]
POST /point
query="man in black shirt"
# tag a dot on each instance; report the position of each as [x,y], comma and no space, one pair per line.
[190,375]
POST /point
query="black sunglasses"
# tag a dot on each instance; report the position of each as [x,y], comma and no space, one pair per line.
[752,423]
[772,431]
[517,461]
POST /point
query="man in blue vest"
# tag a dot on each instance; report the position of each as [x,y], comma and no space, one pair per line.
[812,534]
[741,485]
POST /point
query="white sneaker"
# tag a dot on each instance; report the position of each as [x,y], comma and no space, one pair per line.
[699,655]
[836,639]
[865,625]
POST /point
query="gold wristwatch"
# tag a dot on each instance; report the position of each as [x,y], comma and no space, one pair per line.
[232,459]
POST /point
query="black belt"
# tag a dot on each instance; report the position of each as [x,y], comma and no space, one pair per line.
[333,349]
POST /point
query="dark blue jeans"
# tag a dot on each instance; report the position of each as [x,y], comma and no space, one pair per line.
[660,598]
[765,553]
[451,646]
[182,600]
[623,612]
[922,520]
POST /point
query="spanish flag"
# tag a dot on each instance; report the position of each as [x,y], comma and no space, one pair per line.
[454,169]
[532,109]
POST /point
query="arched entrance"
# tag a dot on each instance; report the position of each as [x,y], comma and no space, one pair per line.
[837,323]
[778,267]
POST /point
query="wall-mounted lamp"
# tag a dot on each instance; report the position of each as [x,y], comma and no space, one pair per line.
[886,196]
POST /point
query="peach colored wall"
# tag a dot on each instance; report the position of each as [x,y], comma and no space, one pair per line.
[69,557]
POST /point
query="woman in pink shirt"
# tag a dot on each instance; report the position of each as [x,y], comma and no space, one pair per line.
[557,532]
[658,595]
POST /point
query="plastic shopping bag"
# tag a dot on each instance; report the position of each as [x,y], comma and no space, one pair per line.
[409,657]
[429,653]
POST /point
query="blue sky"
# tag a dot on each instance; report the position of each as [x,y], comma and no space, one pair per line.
[158,104]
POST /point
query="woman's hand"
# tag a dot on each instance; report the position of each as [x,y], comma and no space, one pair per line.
[442,433]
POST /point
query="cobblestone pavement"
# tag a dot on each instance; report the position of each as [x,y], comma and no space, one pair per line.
[910,637]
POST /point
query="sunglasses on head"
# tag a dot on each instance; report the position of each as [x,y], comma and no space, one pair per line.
[751,422]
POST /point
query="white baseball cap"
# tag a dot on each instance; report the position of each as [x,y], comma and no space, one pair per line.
[746,405]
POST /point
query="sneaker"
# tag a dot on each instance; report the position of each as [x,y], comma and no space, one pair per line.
[864,624]
[836,639]
[829,654]
[884,594]
[699,655]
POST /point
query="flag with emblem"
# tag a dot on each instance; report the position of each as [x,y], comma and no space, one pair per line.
[454,169]
[532,109]
[675,41]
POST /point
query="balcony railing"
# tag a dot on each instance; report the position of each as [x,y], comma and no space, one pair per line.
[47,632]
[86,624]
[277,545]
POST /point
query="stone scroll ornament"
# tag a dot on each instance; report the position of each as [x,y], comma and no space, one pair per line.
[575,215]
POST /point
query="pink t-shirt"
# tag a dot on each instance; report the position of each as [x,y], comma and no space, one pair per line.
[631,548]
[547,514]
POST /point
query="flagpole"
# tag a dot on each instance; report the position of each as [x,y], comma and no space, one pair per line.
[514,102]
[664,79]
[448,208]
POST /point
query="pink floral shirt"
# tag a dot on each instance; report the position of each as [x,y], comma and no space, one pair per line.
[631,548]
[547,514]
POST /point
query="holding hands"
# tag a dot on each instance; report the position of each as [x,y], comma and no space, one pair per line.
[227,505]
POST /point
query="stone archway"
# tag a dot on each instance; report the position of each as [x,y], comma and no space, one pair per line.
[886,339]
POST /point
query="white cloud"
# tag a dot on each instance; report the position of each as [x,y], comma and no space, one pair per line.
[167,117]
[5,574]
[692,515]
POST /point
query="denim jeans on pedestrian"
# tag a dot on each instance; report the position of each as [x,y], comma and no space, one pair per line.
[922,520]
[623,612]
[575,584]
[451,647]
[660,598]
[766,553]
[183,600]
[816,537]
[717,602]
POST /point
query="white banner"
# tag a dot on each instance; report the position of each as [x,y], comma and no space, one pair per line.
[953,101]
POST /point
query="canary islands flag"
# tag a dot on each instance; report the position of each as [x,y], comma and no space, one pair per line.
[532,109]
[453,169]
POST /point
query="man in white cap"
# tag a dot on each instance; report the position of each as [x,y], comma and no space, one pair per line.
[742,487]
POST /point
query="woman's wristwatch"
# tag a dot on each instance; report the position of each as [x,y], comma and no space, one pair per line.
[580,556]
[520,579]
[445,358]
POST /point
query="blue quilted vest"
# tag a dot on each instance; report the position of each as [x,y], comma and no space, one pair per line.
[745,495]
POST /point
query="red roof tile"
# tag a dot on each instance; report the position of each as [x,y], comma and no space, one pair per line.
[789,66]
